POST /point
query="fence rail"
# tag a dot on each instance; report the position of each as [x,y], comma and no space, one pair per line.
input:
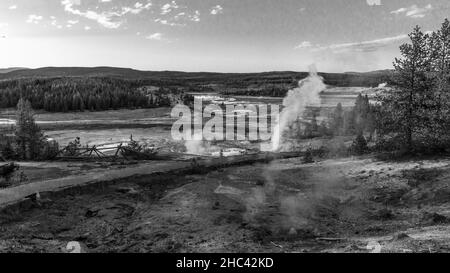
[98,153]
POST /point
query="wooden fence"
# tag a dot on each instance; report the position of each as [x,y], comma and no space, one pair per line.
[121,151]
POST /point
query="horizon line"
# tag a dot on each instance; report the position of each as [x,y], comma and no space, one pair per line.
[17,68]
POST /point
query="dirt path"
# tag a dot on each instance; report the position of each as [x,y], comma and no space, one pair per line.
[18,193]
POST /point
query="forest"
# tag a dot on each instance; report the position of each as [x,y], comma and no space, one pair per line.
[87,93]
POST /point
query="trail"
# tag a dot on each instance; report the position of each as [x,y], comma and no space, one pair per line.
[16,194]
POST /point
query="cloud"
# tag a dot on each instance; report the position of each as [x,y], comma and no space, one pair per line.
[155,36]
[3,26]
[137,8]
[34,19]
[305,44]
[195,17]
[108,19]
[179,15]
[180,19]
[167,8]
[54,22]
[217,10]
[414,11]
[12,7]
[171,23]
[173,14]
[72,22]
[365,46]
[374,2]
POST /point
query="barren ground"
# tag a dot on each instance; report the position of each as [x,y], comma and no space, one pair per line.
[330,206]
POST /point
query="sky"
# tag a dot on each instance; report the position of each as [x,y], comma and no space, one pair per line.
[212,35]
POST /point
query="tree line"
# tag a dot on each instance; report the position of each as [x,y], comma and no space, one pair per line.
[268,90]
[358,120]
[93,94]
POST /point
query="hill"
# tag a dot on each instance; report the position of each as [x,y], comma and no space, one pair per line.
[369,79]
[11,69]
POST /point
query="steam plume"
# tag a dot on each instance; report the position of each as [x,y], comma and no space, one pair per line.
[307,93]
[196,146]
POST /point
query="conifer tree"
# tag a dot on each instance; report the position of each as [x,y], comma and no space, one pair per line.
[29,137]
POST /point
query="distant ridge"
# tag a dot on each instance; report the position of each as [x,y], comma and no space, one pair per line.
[337,79]
[11,69]
[102,71]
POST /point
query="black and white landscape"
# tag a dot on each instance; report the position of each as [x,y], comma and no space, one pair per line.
[251,126]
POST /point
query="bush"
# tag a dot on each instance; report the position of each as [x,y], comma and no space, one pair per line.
[359,145]
[73,148]
[337,148]
[308,158]
[7,151]
[49,150]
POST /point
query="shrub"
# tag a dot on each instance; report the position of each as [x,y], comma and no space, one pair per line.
[49,150]
[72,149]
[337,148]
[359,145]
[308,158]
[7,150]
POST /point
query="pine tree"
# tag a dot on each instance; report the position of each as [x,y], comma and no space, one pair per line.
[361,113]
[323,129]
[338,120]
[29,137]
[7,151]
[403,107]
[440,50]
[359,145]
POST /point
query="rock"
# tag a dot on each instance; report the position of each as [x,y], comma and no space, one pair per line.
[43,236]
[374,247]
[91,213]
[216,205]
[75,247]
[292,232]
[383,214]
[435,218]
[401,236]
[260,182]
[128,190]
